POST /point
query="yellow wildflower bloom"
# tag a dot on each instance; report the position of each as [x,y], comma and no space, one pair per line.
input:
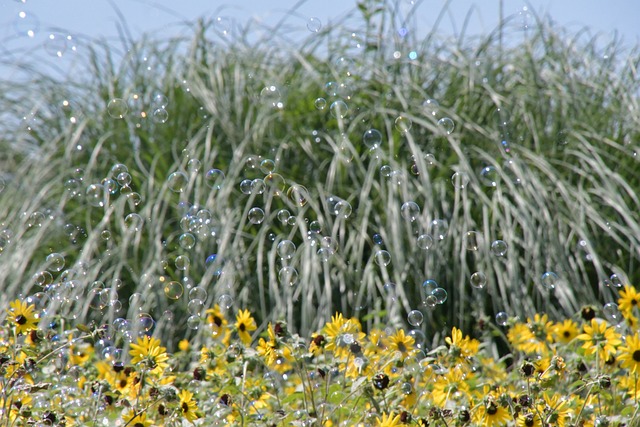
[188,406]
[245,324]
[630,353]
[148,351]
[22,316]
[600,339]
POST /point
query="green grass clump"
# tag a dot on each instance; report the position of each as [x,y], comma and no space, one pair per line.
[543,148]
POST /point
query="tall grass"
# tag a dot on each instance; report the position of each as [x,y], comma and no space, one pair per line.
[544,147]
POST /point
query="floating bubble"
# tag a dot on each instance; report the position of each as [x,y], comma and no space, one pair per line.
[225,301]
[472,240]
[383,258]
[270,96]
[105,234]
[385,171]
[478,280]
[512,170]
[616,281]
[431,107]
[410,211]
[95,195]
[43,278]
[275,183]
[223,25]
[173,290]
[320,103]
[133,222]
[255,215]
[117,108]
[424,241]
[502,117]
[499,248]
[403,124]
[145,322]
[193,322]
[419,338]
[197,293]
[187,241]
[245,186]
[339,109]
[315,227]
[415,317]
[430,301]
[314,24]
[182,262]
[214,179]
[298,194]
[447,125]
[26,24]
[283,216]
[286,249]
[267,166]
[549,280]
[196,307]
[428,286]
[258,186]
[194,165]
[55,262]
[160,115]
[502,318]
[440,294]
[124,179]
[110,185]
[460,180]
[178,182]
[372,138]
[288,276]
[489,176]
[612,313]
[56,45]
[377,239]
[439,229]
[36,219]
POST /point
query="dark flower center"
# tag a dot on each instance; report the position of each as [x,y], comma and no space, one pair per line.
[242,327]
[634,301]
[566,334]
[20,319]
[402,348]
[185,407]
[636,356]
[492,409]
[217,321]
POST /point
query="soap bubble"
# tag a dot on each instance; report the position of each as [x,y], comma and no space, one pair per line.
[612,313]
[133,222]
[489,176]
[430,107]
[430,301]
[258,186]
[214,178]
[286,249]
[478,280]
[195,307]
[173,290]
[339,109]
[275,183]
[499,248]
[255,215]
[270,96]
[178,182]
[460,180]
[383,258]
[616,281]
[193,322]
[55,262]
[56,44]
[447,125]
[424,241]
[95,195]
[225,301]
[403,124]
[377,239]
[245,186]
[410,211]
[440,294]
[26,24]
[124,179]
[549,280]
[439,229]
[187,241]
[372,138]
[415,317]
[502,318]
[320,103]
[182,262]
[298,194]
[314,24]
[288,276]
[117,108]
[267,166]
[472,240]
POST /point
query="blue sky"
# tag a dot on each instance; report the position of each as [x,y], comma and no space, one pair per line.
[54,21]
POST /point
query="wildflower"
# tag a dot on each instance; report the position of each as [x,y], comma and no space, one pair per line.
[340,333]
[629,299]
[380,381]
[523,339]
[80,353]
[461,347]
[556,409]
[22,316]
[491,414]
[401,342]
[188,406]
[183,345]
[600,339]
[245,324]
[450,386]
[630,353]
[529,420]
[148,351]
[565,331]
[389,420]
[217,321]
[136,419]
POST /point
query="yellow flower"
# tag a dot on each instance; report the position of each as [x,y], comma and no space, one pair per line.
[491,414]
[183,345]
[80,353]
[529,420]
[389,420]
[401,342]
[565,331]
[630,353]
[217,321]
[133,419]
[340,333]
[188,406]
[450,387]
[629,299]
[461,347]
[556,409]
[148,351]
[22,316]
[600,339]
[245,324]
[523,339]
